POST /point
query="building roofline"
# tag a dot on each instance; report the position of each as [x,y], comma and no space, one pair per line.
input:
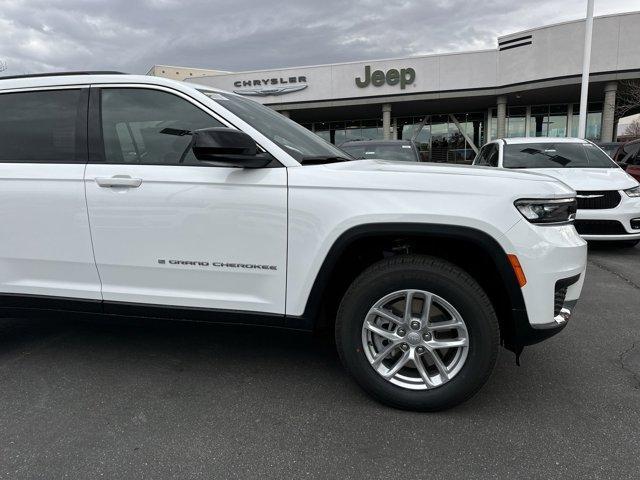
[506,36]
[409,57]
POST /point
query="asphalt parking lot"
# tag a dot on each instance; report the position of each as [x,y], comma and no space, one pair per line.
[83,400]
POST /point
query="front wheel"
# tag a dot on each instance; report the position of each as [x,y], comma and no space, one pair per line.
[417,333]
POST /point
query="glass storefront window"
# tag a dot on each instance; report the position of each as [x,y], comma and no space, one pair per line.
[516,122]
[594,121]
[322,129]
[371,130]
[352,131]
[539,121]
[338,134]
[557,121]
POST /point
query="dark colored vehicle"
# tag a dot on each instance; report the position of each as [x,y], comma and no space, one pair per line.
[397,150]
[632,162]
[626,152]
[610,148]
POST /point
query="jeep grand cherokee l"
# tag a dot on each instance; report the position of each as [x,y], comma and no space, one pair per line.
[138,196]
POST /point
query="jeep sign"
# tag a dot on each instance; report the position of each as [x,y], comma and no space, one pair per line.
[404,77]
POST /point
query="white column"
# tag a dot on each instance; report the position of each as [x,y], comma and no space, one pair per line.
[487,127]
[608,113]
[502,116]
[586,64]
[285,113]
[386,121]
[570,119]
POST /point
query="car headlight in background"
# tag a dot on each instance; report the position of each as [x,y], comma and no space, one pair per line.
[633,192]
[548,211]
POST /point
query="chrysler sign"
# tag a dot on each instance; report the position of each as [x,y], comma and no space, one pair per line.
[264,87]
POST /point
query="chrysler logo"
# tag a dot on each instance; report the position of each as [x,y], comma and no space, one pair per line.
[270,86]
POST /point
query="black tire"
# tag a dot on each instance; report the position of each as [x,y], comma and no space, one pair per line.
[443,279]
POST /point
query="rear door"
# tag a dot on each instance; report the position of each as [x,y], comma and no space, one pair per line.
[169,230]
[45,247]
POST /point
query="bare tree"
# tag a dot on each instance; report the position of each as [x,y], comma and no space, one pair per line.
[3,66]
[633,129]
[627,97]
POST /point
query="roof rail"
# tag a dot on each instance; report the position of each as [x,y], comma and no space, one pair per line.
[61,74]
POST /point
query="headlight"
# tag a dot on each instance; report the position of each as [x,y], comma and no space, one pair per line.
[548,211]
[633,192]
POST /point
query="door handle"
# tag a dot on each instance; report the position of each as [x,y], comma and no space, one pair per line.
[119,181]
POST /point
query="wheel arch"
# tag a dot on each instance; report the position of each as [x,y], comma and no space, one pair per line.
[441,240]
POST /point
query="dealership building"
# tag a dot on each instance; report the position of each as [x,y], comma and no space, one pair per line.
[452,103]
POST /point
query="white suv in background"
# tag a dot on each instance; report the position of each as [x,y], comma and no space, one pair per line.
[608,198]
[139,196]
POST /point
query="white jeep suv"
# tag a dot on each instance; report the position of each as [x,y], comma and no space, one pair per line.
[608,197]
[144,197]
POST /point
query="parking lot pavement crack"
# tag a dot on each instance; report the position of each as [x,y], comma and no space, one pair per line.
[628,281]
[625,366]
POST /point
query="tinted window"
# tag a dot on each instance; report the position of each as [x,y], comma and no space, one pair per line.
[488,156]
[555,155]
[40,126]
[481,158]
[149,126]
[492,155]
[401,152]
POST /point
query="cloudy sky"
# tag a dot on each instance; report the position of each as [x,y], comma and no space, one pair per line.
[133,35]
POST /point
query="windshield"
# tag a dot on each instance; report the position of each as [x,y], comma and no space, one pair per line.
[398,152]
[296,140]
[555,155]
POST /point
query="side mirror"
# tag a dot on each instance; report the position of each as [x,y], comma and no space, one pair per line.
[226,147]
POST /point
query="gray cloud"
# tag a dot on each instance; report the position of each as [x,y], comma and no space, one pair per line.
[133,35]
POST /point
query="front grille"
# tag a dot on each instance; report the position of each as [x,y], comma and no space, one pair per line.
[599,199]
[599,227]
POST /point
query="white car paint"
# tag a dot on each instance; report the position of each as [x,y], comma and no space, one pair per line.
[585,180]
[67,229]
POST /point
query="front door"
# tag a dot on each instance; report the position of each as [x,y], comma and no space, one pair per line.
[168,230]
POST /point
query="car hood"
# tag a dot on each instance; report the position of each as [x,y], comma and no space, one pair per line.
[437,168]
[590,178]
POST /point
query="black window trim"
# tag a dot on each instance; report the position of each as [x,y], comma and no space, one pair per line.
[95,136]
[81,153]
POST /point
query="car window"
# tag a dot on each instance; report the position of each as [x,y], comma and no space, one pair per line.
[397,152]
[486,156]
[555,155]
[481,158]
[356,151]
[150,127]
[41,126]
[632,151]
[492,155]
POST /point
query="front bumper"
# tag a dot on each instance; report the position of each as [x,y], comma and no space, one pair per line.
[624,213]
[549,255]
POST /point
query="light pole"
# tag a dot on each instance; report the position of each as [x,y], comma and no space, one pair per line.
[586,60]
